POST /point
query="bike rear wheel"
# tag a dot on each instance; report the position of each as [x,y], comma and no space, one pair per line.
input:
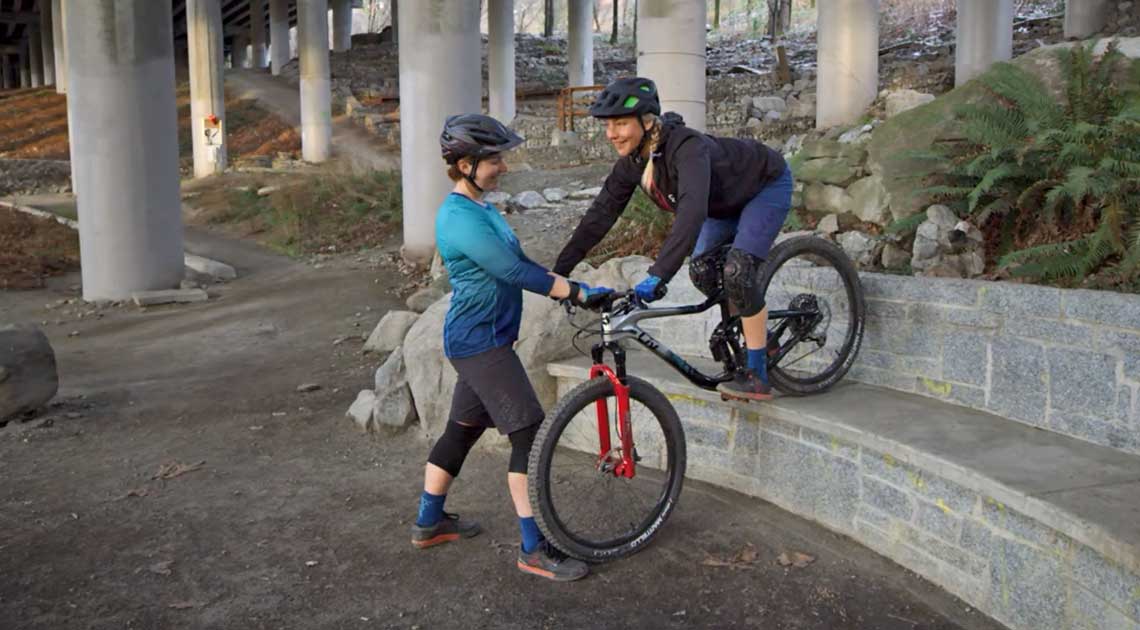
[810,273]
[590,513]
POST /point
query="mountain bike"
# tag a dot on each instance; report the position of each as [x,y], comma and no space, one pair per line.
[608,463]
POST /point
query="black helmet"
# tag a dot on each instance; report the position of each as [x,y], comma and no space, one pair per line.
[632,96]
[475,135]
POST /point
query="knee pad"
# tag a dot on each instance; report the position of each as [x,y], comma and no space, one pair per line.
[521,441]
[742,281]
[453,446]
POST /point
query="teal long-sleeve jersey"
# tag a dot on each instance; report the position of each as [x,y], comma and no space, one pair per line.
[488,272]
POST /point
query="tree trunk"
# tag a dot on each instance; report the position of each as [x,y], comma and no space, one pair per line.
[548,17]
[779,17]
[716,15]
[614,30]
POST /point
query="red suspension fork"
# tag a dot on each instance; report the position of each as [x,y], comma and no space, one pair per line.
[624,467]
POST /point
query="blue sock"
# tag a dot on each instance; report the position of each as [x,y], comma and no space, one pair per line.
[531,536]
[758,363]
[431,509]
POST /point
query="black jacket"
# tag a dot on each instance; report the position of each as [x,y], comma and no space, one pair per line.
[697,176]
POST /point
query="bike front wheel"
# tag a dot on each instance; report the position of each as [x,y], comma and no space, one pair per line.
[581,506]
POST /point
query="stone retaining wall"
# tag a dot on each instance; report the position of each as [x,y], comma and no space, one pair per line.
[986,551]
[26,177]
[1063,360]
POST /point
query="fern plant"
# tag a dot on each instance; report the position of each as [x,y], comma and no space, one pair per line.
[1059,181]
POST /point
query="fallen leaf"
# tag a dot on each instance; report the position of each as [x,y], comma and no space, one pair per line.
[171,470]
[311,563]
[137,492]
[747,554]
[795,559]
[161,568]
[183,605]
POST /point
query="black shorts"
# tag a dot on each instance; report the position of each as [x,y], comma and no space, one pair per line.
[493,390]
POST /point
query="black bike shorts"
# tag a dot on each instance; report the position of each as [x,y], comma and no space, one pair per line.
[493,390]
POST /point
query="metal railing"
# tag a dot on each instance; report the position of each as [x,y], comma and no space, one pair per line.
[575,101]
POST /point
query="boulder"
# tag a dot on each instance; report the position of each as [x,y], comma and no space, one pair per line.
[497,198]
[554,195]
[389,333]
[947,247]
[28,376]
[825,198]
[770,104]
[894,257]
[900,101]
[869,200]
[835,171]
[361,409]
[393,405]
[424,298]
[586,193]
[528,200]
[863,249]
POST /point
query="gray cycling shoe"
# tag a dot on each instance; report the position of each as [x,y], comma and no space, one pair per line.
[449,528]
[548,562]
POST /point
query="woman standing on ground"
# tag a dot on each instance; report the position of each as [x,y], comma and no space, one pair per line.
[488,272]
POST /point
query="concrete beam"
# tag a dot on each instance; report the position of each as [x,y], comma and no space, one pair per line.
[130,219]
[207,94]
[1085,17]
[580,56]
[501,59]
[316,84]
[848,58]
[20,17]
[671,51]
[432,87]
[985,36]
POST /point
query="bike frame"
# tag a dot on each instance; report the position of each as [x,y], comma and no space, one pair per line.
[624,326]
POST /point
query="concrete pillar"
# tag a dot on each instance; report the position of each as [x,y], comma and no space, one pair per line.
[240,52]
[278,35]
[60,39]
[1085,17]
[341,25]
[35,55]
[316,94]
[580,56]
[433,86]
[671,51]
[985,36]
[25,69]
[207,96]
[47,42]
[501,59]
[395,21]
[848,60]
[130,220]
[257,34]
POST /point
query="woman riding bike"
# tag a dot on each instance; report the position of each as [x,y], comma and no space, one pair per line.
[488,272]
[718,188]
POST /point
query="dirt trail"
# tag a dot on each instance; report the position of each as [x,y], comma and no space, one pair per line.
[295,520]
[284,100]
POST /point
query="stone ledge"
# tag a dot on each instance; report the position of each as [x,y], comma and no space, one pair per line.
[967,499]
